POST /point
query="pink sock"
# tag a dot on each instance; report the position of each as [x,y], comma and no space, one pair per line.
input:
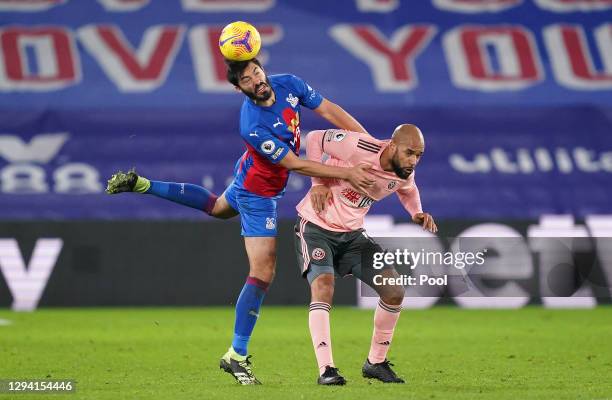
[385,319]
[318,322]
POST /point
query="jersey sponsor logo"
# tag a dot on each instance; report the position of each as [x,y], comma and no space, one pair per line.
[278,153]
[270,223]
[277,123]
[291,99]
[355,199]
[318,254]
[391,185]
[253,134]
[268,146]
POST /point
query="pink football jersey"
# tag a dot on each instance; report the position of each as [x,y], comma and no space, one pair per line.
[348,206]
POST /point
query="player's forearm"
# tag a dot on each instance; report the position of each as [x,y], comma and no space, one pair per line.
[314,151]
[411,200]
[318,170]
[343,120]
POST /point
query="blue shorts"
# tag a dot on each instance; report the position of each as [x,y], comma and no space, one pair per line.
[257,213]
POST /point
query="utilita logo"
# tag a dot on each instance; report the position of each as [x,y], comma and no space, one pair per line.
[27,284]
[529,161]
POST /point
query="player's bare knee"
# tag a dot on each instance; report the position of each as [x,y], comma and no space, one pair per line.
[220,211]
[216,211]
[265,276]
[265,264]
[322,288]
[267,260]
[392,295]
[263,270]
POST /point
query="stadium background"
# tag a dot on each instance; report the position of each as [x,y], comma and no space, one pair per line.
[514,98]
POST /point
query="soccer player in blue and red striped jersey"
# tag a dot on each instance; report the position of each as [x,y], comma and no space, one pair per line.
[270,126]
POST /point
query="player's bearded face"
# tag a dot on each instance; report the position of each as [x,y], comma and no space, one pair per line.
[402,171]
[260,91]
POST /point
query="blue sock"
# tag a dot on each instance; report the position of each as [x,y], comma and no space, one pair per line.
[247,311]
[193,196]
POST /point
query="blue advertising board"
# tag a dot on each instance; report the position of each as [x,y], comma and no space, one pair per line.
[514,98]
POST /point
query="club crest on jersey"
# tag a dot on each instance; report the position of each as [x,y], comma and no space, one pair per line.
[292,100]
[318,254]
[268,146]
[270,223]
[334,134]
[338,136]
[355,199]
[391,185]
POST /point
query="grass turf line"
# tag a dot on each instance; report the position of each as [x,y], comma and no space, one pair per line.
[444,353]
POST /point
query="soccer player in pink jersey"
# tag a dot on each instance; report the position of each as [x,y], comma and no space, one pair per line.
[330,239]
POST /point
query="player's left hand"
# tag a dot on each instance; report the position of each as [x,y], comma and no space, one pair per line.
[426,221]
[320,195]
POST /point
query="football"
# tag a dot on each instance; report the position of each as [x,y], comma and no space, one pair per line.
[239,41]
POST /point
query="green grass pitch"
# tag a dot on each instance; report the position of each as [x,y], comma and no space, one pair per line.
[444,353]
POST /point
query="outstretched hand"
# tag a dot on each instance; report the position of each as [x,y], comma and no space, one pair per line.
[426,221]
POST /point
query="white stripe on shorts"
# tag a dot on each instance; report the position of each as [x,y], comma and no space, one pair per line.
[305,254]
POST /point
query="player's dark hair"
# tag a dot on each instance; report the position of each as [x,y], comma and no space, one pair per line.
[236,68]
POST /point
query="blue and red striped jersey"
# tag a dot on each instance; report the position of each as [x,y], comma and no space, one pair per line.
[270,133]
